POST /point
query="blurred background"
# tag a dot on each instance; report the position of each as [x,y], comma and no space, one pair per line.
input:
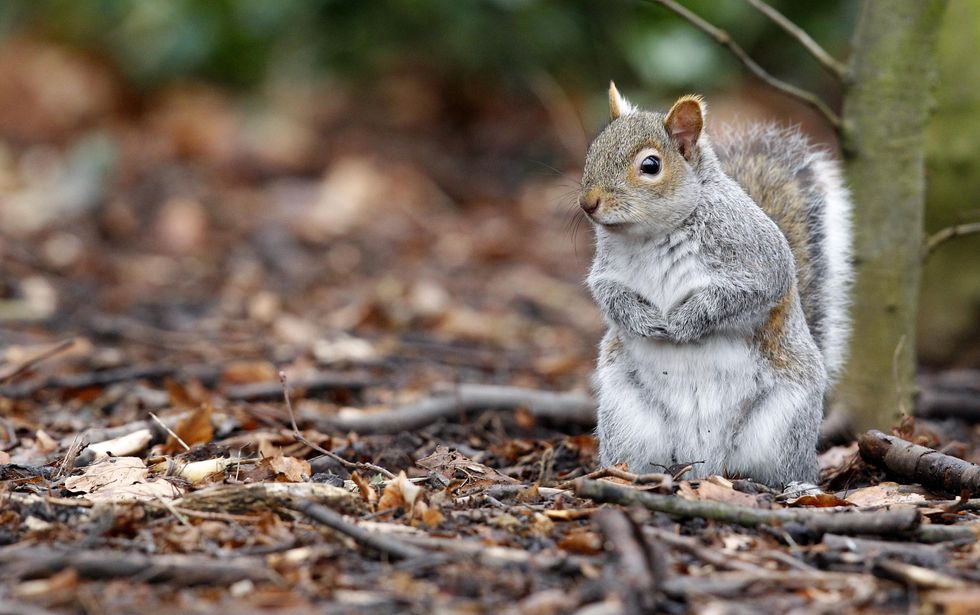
[324,181]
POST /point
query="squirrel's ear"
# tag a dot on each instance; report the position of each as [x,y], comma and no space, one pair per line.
[684,123]
[618,106]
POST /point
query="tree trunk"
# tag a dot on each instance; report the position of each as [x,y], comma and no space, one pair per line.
[886,108]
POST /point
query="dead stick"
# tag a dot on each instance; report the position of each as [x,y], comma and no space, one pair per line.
[316,383]
[173,433]
[43,356]
[299,436]
[930,468]
[382,543]
[469,398]
[18,561]
[819,521]
[639,570]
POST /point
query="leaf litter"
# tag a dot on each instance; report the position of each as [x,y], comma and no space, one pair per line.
[379,272]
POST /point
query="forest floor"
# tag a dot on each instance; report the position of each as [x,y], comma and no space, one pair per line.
[164,258]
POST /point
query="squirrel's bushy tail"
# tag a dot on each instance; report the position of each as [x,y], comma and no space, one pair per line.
[799,186]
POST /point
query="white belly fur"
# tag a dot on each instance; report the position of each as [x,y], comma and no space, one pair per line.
[664,404]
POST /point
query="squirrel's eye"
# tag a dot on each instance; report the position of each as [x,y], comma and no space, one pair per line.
[650,165]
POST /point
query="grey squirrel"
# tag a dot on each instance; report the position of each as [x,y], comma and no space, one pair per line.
[722,271]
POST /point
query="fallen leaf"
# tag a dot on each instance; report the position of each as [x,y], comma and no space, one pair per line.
[114,471]
[45,443]
[836,457]
[193,429]
[120,479]
[400,493]
[449,462]
[368,494]
[823,500]
[293,469]
[717,489]
[584,542]
[886,493]
[432,516]
[249,372]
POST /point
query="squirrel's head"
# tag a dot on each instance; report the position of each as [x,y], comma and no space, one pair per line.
[641,171]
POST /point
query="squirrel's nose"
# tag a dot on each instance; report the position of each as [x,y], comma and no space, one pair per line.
[589,202]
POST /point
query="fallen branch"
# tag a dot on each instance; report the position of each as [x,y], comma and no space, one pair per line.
[385,544]
[468,398]
[928,467]
[268,496]
[355,465]
[19,561]
[918,576]
[933,556]
[204,373]
[899,521]
[639,569]
[724,39]
[317,383]
[716,558]
[36,359]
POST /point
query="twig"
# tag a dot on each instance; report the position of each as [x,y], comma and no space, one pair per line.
[316,383]
[932,556]
[617,472]
[383,543]
[934,470]
[173,511]
[819,54]
[170,431]
[205,373]
[950,232]
[467,398]
[710,556]
[38,358]
[639,569]
[356,465]
[18,561]
[917,575]
[723,38]
[818,521]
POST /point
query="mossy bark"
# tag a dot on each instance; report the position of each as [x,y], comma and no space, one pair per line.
[886,108]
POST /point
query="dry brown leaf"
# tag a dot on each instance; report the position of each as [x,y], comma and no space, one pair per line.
[449,463]
[44,442]
[119,479]
[431,515]
[822,500]
[182,397]
[718,489]
[836,456]
[368,494]
[248,372]
[570,514]
[293,469]
[400,493]
[886,493]
[194,429]
[584,542]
